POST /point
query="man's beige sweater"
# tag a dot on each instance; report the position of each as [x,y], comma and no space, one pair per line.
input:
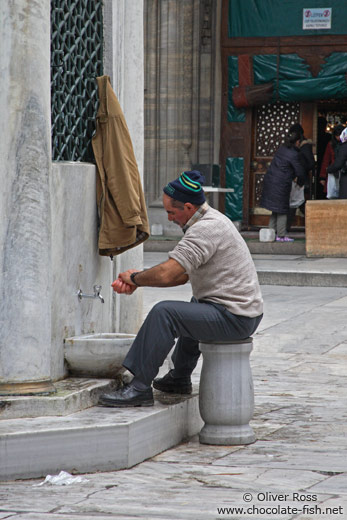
[219,264]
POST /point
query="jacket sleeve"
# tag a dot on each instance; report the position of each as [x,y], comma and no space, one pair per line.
[328,158]
[308,157]
[340,160]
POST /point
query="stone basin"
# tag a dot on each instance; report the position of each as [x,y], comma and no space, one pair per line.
[97,355]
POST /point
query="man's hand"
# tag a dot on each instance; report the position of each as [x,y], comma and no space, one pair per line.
[123,284]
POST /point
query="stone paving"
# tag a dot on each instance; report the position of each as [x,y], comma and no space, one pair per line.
[296,469]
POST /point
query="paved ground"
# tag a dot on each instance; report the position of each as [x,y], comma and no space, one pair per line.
[297,468]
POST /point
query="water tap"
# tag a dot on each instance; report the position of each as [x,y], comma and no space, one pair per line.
[97,289]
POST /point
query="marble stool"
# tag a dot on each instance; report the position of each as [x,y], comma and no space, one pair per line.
[226,395]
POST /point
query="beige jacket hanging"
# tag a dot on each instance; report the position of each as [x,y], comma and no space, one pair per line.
[120,199]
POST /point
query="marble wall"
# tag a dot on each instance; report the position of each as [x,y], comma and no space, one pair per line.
[48,235]
[75,261]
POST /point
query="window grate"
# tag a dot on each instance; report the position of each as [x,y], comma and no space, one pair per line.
[76,61]
[273,123]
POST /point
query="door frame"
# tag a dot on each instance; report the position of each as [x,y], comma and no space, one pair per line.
[236,137]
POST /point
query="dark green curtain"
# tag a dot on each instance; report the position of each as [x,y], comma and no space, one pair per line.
[295,81]
[235,115]
[234,179]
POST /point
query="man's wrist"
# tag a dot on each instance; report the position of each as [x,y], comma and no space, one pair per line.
[132,278]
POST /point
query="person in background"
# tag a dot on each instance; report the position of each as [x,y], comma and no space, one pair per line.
[284,168]
[323,138]
[305,148]
[329,156]
[339,166]
[308,162]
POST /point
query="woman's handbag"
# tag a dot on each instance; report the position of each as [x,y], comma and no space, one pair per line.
[333,186]
[297,196]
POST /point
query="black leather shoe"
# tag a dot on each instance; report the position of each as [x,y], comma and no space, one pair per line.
[127,396]
[173,385]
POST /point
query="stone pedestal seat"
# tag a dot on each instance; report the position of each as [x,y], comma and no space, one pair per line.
[226,397]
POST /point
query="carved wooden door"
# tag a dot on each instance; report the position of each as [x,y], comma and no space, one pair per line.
[271,123]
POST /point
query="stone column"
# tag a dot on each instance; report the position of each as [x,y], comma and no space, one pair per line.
[25,210]
[171,39]
[181,61]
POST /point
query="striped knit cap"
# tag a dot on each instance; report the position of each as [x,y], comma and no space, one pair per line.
[187,188]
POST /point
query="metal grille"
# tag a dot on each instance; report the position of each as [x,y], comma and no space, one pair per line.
[76,61]
[273,123]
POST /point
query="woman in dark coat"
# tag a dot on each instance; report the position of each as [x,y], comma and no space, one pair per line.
[339,167]
[284,168]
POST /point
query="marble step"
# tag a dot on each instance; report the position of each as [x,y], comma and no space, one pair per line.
[95,439]
[165,244]
[301,278]
[72,395]
[301,271]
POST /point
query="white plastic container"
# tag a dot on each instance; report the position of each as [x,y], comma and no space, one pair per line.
[267,235]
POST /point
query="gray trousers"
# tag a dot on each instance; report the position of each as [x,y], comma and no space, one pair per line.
[278,222]
[189,322]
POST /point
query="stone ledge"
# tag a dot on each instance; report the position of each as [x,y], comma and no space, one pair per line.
[73,395]
[97,439]
[302,279]
[166,244]
[276,248]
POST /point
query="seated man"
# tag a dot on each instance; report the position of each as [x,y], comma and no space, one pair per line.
[226,304]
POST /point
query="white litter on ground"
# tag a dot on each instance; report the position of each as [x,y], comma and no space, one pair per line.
[63,479]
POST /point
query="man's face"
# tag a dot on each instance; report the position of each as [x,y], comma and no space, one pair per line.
[177,215]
